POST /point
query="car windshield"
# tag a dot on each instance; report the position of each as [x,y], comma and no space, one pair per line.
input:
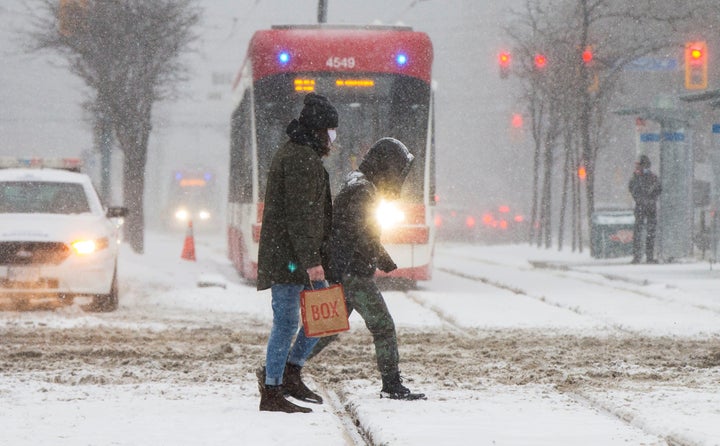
[28,197]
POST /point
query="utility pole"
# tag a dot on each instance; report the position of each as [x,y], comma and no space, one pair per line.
[322,11]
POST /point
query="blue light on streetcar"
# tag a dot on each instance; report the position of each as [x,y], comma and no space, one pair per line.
[401,59]
[283,57]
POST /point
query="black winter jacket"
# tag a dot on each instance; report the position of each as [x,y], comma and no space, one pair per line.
[355,246]
[297,217]
[645,189]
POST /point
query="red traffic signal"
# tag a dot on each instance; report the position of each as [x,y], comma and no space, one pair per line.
[696,55]
[540,61]
[587,56]
[504,60]
[696,75]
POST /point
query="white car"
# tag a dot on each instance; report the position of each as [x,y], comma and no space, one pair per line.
[57,242]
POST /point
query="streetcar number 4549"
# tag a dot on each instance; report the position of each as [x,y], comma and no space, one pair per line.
[340,62]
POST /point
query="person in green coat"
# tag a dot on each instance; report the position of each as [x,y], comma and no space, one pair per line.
[292,254]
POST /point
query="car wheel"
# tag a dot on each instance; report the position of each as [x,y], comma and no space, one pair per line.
[106,303]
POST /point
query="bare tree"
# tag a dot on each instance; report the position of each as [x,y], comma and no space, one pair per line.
[127,52]
[578,93]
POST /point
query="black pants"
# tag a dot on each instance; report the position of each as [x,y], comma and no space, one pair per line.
[362,294]
[644,218]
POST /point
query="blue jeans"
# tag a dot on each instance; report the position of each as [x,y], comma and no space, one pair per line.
[286,318]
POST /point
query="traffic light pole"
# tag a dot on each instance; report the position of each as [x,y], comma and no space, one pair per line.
[675,216]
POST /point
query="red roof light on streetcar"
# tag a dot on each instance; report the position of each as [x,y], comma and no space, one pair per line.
[504,209]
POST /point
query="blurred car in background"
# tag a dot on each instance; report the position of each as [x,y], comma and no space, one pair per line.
[192,197]
[503,224]
[57,242]
[455,223]
[462,223]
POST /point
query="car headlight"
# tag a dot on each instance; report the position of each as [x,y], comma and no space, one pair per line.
[204,215]
[84,247]
[182,214]
[389,214]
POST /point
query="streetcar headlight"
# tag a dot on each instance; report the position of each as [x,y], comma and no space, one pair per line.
[182,214]
[204,215]
[389,214]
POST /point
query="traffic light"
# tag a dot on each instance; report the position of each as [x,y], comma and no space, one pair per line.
[581,172]
[587,56]
[696,76]
[540,61]
[504,60]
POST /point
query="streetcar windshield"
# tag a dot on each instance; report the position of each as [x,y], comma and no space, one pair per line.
[370,107]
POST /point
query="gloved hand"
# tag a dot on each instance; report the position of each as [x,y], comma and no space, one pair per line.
[386,264]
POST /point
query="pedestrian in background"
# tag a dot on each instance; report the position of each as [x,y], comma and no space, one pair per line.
[292,254]
[645,189]
[356,252]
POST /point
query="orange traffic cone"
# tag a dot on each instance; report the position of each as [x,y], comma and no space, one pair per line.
[188,252]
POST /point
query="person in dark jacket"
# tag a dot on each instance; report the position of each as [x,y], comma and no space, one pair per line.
[292,254]
[356,252]
[645,189]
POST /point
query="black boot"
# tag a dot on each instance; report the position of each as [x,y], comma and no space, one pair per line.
[294,387]
[393,389]
[272,398]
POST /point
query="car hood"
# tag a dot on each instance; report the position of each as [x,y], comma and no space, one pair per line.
[52,227]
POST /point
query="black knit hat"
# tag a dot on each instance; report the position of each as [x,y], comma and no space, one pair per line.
[318,113]
[644,161]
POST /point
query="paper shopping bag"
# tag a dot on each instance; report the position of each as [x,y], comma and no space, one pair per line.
[324,311]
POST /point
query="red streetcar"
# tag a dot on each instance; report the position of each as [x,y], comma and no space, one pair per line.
[380,80]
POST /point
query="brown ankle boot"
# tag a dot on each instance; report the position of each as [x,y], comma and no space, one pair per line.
[293,385]
[273,400]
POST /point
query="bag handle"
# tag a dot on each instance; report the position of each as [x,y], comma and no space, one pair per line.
[327,284]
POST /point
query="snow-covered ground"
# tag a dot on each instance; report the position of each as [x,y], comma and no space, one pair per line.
[511,344]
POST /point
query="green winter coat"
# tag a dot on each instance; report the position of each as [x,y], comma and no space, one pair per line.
[297,217]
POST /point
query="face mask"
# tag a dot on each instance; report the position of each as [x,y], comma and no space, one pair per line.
[332,134]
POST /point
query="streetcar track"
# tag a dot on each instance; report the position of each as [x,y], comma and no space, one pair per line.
[670,439]
[541,298]
[348,418]
[567,272]
[577,393]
